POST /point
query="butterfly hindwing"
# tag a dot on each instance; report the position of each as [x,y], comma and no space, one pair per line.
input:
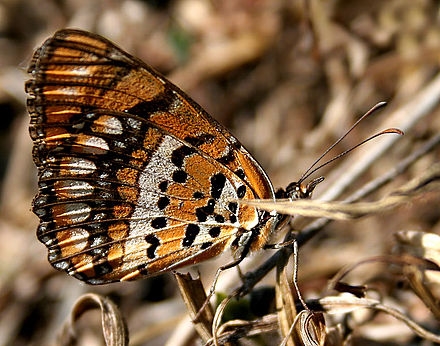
[135,178]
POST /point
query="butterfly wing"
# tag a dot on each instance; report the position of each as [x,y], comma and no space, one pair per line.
[135,178]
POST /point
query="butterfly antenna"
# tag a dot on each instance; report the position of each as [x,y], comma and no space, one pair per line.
[312,169]
[387,131]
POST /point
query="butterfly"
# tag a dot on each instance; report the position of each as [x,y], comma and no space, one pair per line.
[135,178]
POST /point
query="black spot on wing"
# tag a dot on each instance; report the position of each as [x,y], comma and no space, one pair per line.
[217,184]
[203,212]
[143,267]
[229,157]
[178,155]
[163,186]
[201,215]
[241,191]
[102,268]
[240,173]
[159,103]
[214,232]
[154,244]
[219,218]
[232,206]
[191,233]
[198,195]
[180,176]
[199,140]
[206,245]
[159,222]
[163,202]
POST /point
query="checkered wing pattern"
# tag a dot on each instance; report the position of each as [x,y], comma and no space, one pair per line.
[135,178]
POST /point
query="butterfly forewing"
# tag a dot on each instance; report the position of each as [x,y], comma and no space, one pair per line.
[135,178]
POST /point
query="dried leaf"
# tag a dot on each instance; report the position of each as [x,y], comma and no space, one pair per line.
[285,303]
[113,324]
[425,246]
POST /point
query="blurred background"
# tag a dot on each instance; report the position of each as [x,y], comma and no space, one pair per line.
[287,78]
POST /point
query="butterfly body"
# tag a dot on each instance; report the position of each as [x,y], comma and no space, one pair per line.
[135,178]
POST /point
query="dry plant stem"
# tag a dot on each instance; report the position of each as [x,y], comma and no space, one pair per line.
[423,333]
[429,180]
[347,304]
[197,304]
[387,259]
[218,318]
[217,327]
[285,301]
[236,329]
[417,280]
[295,275]
[294,326]
[194,296]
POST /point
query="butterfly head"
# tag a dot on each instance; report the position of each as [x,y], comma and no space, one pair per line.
[300,190]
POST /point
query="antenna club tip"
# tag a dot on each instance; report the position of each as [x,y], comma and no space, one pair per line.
[394,131]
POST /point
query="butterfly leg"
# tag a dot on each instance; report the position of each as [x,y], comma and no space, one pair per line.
[214,283]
